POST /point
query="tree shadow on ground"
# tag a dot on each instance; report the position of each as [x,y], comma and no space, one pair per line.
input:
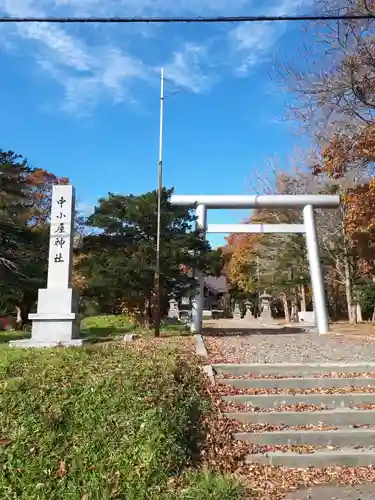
[227,332]
[99,334]
[92,336]
[6,337]
[96,332]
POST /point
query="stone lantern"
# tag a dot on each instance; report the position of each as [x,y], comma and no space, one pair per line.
[237,312]
[265,305]
[248,315]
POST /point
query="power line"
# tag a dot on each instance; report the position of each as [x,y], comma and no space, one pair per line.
[236,19]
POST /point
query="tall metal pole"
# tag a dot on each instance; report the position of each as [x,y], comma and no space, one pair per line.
[158,230]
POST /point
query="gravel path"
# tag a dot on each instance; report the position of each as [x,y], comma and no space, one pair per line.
[360,492]
[277,346]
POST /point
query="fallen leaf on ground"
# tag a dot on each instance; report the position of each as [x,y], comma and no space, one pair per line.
[62,469]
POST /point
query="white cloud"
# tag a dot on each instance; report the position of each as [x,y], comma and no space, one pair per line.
[86,72]
[151,7]
[68,50]
[85,209]
[97,63]
[254,41]
[185,70]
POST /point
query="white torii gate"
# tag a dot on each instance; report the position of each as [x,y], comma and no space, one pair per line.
[307,202]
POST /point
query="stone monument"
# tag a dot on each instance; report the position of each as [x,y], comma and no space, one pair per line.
[237,312]
[266,312]
[56,321]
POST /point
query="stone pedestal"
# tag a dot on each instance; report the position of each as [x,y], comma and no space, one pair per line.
[237,312]
[56,321]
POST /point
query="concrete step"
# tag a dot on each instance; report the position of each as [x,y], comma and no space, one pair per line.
[276,400]
[336,417]
[345,457]
[337,447]
[341,437]
[294,369]
[298,383]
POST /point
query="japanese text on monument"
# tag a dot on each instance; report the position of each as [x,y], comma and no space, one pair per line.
[60,231]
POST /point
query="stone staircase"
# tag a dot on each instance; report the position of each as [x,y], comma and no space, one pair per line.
[302,415]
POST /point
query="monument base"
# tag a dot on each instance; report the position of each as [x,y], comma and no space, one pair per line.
[52,330]
[32,343]
[58,328]
[54,327]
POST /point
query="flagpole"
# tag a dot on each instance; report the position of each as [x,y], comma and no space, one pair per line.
[158,230]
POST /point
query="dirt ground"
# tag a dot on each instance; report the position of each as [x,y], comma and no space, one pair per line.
[328,492]
[344,328]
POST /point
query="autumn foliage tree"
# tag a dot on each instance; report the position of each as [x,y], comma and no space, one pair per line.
[25,200]
[40,184]
[242,252]
[270,262]
[333,98]
[349,160]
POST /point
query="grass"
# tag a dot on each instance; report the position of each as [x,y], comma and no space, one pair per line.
[106,328]
[104,422]
[111,326]
[6,336]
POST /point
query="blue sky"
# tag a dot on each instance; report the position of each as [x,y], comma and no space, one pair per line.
[83,101]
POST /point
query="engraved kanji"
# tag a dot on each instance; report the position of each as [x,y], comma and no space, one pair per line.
[61,201]
[58,259]
[60,228]
[60,242]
